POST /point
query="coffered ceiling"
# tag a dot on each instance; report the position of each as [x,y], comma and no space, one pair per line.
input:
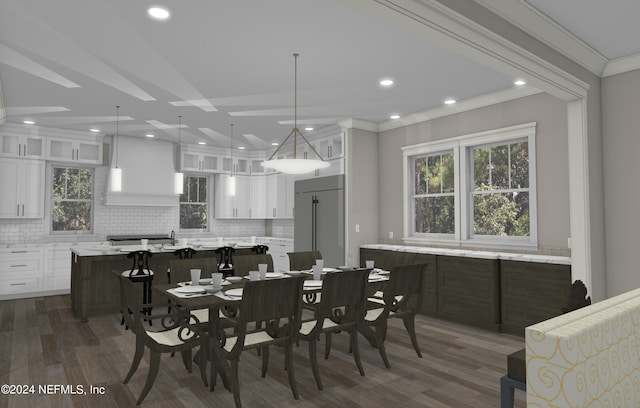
[67,64]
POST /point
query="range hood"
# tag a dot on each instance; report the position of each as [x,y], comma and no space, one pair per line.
[147,173]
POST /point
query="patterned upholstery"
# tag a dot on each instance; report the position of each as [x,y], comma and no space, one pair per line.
[587,358]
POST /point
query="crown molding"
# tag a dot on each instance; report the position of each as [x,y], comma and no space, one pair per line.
[353,123]
[535,23]
[621,65]
[448,28]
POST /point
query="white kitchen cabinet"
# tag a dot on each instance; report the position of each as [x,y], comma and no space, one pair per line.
[278,249]
[257,197]
[279,196]
[232,196]
[20,271]
[25,146]
[191,160]
[74,150]
[57,267]
[22,186]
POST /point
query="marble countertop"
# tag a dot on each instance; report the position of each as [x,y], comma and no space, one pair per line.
[511,256]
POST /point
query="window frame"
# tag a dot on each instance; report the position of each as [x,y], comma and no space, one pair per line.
[50,200]
[463,183]
[208,203]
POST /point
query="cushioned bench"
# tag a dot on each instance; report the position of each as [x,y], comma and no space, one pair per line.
[588,357]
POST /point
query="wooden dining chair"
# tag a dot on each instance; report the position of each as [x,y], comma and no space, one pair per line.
[402,297]
[245,263]
[342,307]
[180,333]
[303,260]
[276,302]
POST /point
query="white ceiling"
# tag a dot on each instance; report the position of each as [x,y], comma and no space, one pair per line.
[68,63]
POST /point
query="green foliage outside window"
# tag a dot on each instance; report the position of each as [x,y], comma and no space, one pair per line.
[501,190]
[193,203]
[434,202]
[72,199]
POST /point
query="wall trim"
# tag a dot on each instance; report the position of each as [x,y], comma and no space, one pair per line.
[622,65]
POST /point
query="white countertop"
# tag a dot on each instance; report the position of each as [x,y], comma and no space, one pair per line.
[511,256]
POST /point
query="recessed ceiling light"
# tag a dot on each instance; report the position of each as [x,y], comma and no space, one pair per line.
[520,82]
[241,147]
[274,143]
[94,130]
[158,13]
[449,101]
[29,122]
[150,135]
[201,143]
[308,128]
[386,82]
[394,116]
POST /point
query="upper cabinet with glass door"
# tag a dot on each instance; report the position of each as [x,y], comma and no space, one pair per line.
[200,159]
[21,141]
[67,146]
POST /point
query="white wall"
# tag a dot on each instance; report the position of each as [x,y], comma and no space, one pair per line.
[621,148]
[551,148]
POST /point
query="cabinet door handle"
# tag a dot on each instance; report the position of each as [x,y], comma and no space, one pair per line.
[18,284]
[18,210]
[23,210]
[18,252]
[19,266]
[19,150]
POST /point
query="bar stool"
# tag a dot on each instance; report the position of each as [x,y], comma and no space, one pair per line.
[260,249]
[225,263]
[140,273]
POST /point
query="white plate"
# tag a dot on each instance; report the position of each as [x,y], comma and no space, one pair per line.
[234,279]
[273,275]
[190,289]
[294,273]
[325,270]
[173,247]
[237,292]
[312,283]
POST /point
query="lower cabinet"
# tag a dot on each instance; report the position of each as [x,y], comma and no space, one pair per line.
[494,294]
[279,249]
[531,292]
[20,271]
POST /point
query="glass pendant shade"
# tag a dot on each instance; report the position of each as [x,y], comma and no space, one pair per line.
[295,166]
[115,179]
[179,183]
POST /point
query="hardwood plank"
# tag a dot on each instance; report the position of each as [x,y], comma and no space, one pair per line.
[42,343]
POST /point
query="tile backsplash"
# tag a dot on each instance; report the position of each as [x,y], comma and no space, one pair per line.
[121,220]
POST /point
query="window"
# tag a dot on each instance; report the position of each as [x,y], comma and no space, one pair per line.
[434,200]
[72,199]
[478,187]
[194,203]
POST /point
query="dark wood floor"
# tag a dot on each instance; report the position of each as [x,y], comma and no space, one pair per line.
[42,343]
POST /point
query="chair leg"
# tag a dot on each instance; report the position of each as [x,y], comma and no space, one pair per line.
[356,350]
[327,346]
[151,377]
[381,332]
[186,359]
[204,355]
[314,363]
[137,357]
[265,360]
[289,362]
[235,385]
[410,325]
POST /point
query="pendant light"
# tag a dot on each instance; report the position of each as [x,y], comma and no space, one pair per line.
[295,165]
[179,177]
[231,187]
[115,178]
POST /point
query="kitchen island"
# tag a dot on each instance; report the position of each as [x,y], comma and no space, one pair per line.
[94,288]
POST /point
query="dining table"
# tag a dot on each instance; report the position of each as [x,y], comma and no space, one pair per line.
[204,297]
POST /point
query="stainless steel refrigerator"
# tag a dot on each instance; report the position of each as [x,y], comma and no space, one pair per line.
[319,218]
